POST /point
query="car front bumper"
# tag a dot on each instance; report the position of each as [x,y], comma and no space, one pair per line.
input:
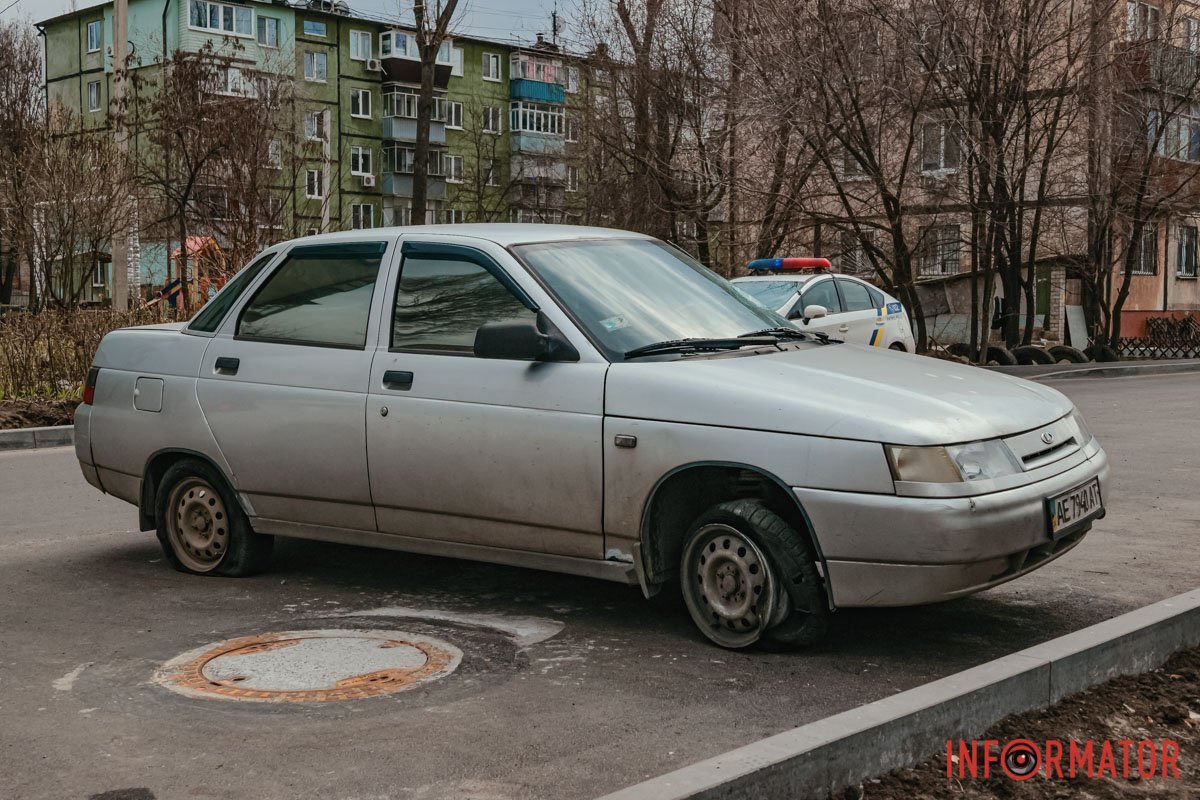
[888,550]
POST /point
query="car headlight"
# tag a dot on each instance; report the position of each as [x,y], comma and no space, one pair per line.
[984,461]
[1084,436]
[977,461]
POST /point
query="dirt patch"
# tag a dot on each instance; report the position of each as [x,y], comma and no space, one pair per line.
[1160,705]
[36,413]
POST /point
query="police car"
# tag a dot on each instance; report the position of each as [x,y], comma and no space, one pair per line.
[805,291]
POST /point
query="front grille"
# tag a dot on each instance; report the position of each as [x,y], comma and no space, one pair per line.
[1048,452]
[1032,449]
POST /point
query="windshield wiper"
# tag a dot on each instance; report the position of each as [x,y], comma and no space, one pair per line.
[779,333]
[684,345]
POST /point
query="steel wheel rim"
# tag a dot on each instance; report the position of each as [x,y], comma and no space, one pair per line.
[198,525]
[729,586]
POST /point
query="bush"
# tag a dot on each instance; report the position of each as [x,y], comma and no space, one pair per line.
[47,355]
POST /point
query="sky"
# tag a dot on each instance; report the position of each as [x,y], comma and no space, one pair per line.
[491,19]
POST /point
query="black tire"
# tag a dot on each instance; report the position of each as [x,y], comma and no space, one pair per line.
[1029,354]
[1066,353]
[236,552]
[1101,352]
[1001,357]
[960,349]
[799,614]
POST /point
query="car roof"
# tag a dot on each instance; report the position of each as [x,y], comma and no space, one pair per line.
[501,233]
[783,278]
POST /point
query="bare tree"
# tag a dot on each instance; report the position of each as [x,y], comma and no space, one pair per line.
[81,187]
[22,131]
[485,191]
[433,25]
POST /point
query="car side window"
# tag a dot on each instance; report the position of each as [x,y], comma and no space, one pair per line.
[213,313]
[877,300]
[320,295]
[442,300]
[821,294]
[856,296]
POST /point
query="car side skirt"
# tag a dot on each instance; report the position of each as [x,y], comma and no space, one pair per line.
[615,571]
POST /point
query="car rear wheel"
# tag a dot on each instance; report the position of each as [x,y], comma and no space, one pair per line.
[748,577]
[201,527]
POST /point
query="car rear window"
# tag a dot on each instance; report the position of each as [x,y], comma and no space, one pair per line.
[213,313]
[320,295]
[772,294]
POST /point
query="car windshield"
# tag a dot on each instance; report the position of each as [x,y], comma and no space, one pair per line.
[772,294]
[629,293]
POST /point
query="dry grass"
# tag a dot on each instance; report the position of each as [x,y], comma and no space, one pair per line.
[47,355]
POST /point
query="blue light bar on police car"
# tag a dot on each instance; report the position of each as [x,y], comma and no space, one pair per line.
[789,264]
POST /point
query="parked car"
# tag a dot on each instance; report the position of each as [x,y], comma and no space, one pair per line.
[586,401]
[805,291]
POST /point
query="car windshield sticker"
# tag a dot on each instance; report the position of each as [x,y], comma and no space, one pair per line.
[615,323]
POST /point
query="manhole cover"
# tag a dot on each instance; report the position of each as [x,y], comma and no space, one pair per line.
[310,666]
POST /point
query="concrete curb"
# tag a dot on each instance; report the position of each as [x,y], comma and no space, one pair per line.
[31,438]
[1041,372]
[824,756]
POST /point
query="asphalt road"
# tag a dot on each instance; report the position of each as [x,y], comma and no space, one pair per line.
[621,690]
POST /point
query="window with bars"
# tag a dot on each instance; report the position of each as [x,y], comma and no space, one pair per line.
[1185,266]
[940,248]
[1145,261]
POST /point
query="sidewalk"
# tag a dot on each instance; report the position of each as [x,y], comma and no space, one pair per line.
[1109,369]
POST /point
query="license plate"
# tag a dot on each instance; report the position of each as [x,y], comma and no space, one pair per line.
[1075,506]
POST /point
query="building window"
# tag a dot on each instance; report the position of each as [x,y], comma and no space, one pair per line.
[314,28]
[454,169]
[99,274]
[360,103]
[316,67]
[1186,265]
[275,154]
[221,18]
[853,259]
[572,129]
[1181,136]
[94,36]
[491,119]
[360,45]
[1141,21]
[314,185]
[454,115]
[1145,261]
[939,247]
[268,32]
[491,66]
[939,147]
[398,159]
[314,126]
[572,79]
[536,118]
[491,173]
[360,161]
[457,58]
[572,179]
[455,216]
[362,216]
[849,167]
[94,96]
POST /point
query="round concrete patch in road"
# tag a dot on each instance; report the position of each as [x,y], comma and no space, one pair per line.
[310,666]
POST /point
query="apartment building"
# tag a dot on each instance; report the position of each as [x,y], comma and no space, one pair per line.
[500,135]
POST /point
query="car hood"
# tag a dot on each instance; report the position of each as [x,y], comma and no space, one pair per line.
[838,391]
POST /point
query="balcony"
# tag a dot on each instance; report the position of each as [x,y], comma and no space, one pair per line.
[536,91]
[400,117]
[399,184]
[1157,65]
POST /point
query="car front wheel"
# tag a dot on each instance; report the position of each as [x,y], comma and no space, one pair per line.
[749,577]
[201,527]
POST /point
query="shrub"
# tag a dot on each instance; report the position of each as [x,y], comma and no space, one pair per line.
[47,355]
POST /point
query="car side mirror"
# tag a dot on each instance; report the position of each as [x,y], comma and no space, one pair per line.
[815,312]
[523,340]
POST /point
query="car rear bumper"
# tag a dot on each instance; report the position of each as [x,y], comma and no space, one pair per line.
[887,550]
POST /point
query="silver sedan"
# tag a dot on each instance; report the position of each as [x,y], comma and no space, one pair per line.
[587,401]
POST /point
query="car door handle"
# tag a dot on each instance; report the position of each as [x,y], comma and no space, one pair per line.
[227,366]
[398,381]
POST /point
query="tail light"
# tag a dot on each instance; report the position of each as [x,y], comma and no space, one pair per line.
[89,388]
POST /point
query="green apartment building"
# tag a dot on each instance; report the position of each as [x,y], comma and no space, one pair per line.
[501,135]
